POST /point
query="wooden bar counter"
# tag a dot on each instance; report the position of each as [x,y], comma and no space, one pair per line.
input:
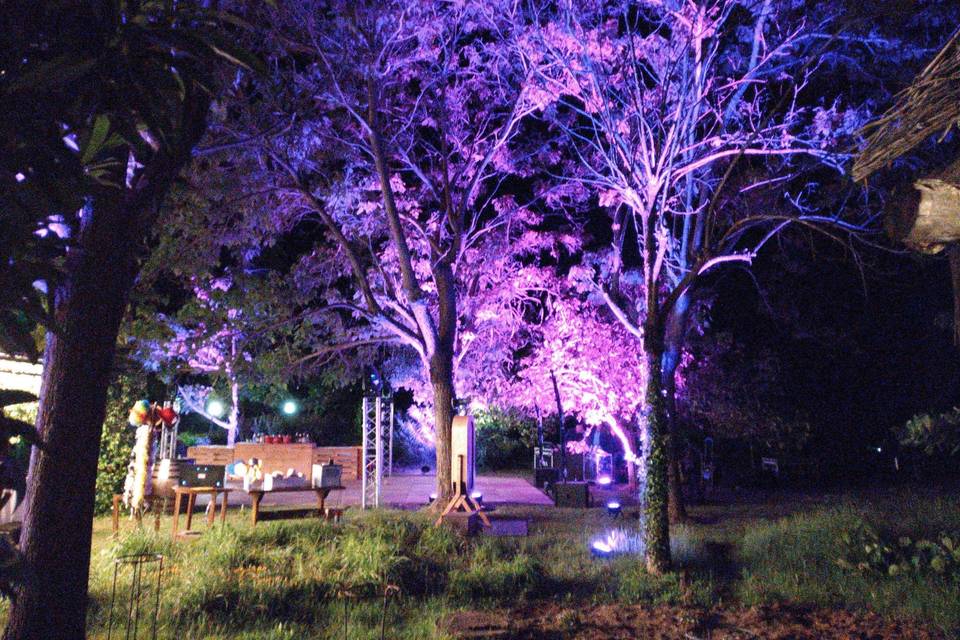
[280,457]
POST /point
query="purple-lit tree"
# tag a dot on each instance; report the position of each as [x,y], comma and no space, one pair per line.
[396,123]
[664,104]
[234,328]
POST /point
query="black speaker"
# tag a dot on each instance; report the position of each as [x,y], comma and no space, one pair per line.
[542,477]
[202,475]
[575,466]
[571,494]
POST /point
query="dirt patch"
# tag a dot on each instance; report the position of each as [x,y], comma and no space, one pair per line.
[612,622]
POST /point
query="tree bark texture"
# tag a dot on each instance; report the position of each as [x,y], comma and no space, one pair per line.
[656,521]
[441,373]
[954,252]
[57,525]
[673,345]
[441,378]
[88,305]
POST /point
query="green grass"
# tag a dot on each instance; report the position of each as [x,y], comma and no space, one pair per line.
[291,579]
[795,559]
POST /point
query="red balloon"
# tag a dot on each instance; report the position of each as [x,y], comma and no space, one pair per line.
[168,415]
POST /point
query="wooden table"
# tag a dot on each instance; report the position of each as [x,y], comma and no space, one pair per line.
[256,495]
[192,493]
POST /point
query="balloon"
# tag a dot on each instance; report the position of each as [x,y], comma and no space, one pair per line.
[136,419]
[142,407]
[167,414]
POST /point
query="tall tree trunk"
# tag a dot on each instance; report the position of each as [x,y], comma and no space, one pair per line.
[88,308]
[673,345]
[954,253]
[441,378]
[676,507]
[656,521]
[441,373]
[234,412]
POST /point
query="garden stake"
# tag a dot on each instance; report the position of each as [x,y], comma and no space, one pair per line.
[388,592]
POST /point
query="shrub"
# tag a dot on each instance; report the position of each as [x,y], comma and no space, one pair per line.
[934,435]
[865,549]
[504,439]
[116,439]
[115,445]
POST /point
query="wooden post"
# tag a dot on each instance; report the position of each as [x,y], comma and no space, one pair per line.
[176,511]
[115,514]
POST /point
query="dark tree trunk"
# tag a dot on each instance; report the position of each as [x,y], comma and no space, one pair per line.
[676,504]
[441,379]
[954,252]
[673,346]
[656,521]
[88,308]
[441,374]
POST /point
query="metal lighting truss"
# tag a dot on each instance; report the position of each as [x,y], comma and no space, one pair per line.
[377,428]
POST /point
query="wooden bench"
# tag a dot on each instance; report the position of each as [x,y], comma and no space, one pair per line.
[256,495]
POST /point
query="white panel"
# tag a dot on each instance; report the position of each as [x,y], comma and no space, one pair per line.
[462,445]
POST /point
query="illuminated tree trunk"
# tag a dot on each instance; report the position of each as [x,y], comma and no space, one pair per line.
[656,522]
[441,373]
[676,328]
[57,525]
[234,412]
[441,378]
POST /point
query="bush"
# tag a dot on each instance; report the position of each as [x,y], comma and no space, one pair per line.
[115,448]
[504,439]
[935,436]
[116,439]
[866,550]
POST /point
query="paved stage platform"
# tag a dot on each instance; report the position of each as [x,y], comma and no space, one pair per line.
[407,491]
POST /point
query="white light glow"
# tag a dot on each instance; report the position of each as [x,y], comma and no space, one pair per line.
[216,408]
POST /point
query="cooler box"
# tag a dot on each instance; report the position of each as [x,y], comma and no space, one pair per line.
[327,475]
[202,475]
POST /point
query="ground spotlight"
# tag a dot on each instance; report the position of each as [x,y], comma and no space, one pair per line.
[601,549]
[614,508]
[477,497]
[433,496]
[604,480]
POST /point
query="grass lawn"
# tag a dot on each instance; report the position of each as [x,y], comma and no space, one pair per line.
[286,579]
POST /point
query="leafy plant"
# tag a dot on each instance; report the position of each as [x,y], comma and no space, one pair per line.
[933,434]
[504,438]
[11,429]
[866,550]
